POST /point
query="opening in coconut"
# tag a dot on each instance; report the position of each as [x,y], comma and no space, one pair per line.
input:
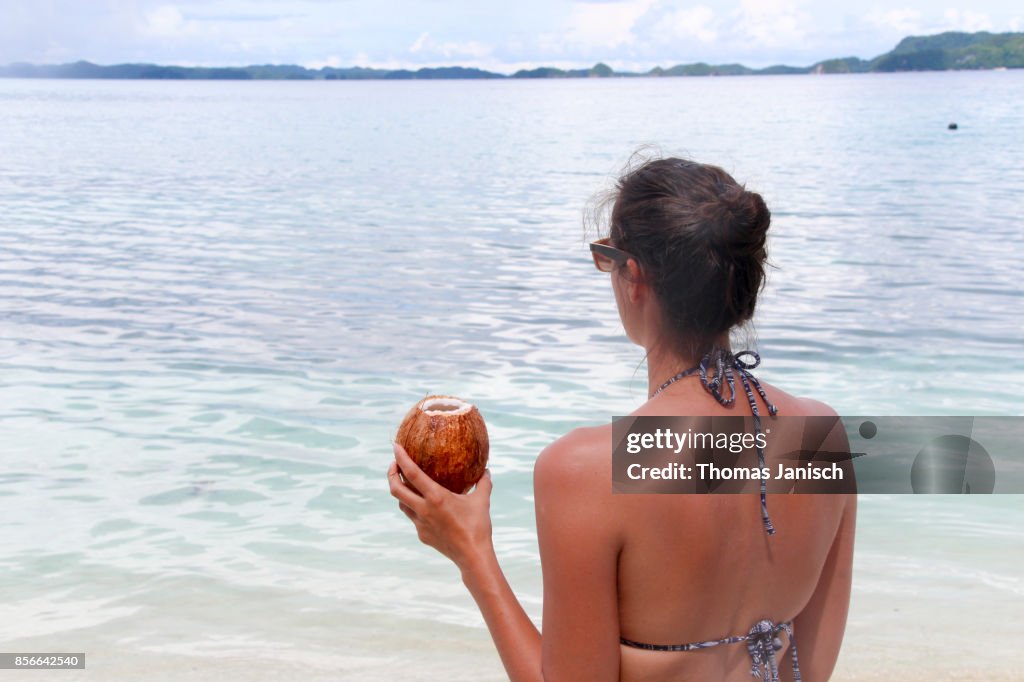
[445,406]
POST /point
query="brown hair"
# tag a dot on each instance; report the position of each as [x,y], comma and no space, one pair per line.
[699,238]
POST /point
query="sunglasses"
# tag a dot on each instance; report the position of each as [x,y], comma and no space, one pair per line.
[606,256]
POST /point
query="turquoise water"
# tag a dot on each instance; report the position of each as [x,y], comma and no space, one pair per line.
[219,299]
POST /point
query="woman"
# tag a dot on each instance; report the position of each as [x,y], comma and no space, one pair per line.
[664,587]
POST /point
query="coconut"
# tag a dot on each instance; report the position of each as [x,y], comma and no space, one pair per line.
[447,438]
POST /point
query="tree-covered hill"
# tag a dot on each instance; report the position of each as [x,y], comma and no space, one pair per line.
[944,51]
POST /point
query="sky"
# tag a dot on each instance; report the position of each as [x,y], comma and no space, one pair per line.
[503,37]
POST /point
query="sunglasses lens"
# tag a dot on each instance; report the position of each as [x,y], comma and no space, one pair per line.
[603,263]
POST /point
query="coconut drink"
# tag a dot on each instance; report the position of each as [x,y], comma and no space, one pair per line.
[447,438]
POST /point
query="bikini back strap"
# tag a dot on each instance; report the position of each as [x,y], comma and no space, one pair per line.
[762,644]
[726,364]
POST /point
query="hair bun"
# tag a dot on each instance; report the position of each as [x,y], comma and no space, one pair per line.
[699,236]
[761,218]
[743,223]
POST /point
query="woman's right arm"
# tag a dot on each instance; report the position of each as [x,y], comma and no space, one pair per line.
[818,630]
[580,541]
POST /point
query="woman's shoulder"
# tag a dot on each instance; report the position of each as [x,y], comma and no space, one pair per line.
[572,488]
[580,457]
[797,406]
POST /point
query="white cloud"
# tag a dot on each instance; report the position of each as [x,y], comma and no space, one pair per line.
[966,20]
[332,61]
[419,42]
[166,21]
[427,46]
[901,20]
[605,24]
[364,59]
[693,22]
[907,21]
[773,23]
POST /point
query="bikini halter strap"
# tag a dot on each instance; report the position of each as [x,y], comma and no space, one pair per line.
[726,365]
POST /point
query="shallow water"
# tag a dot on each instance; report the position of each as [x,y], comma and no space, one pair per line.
[219,299]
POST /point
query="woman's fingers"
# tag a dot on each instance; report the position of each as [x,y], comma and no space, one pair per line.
[400,491]
[408,512]
[485,485]
[428,487]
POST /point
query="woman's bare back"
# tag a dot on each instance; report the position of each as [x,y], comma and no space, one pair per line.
[694,568]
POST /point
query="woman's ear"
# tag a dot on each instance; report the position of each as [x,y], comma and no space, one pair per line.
[636,285]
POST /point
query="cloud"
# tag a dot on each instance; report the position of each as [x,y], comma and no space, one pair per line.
[244,18]
[332,61]
[902,20]
[364,59]
[166,21]
[907,21]
[420,42]
[605,24]
[773,23]
[966,20]
[693,22]
[426,46]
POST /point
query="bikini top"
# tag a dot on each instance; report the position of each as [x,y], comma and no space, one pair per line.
[762,639]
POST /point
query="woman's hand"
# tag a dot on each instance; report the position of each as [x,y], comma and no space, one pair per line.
[458,526]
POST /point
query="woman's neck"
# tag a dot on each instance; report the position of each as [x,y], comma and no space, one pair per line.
[663,364]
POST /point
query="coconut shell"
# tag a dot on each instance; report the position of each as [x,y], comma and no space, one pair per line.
[447,438]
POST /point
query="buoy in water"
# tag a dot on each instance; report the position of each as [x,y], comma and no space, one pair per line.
[953,126]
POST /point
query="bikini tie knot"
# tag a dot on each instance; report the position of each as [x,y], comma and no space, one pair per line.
[761,645]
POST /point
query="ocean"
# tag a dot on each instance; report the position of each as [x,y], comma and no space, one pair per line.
[218,299]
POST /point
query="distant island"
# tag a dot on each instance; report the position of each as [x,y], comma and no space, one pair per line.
[941,52]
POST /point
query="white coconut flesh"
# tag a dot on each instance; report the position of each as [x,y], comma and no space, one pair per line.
[445,407]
